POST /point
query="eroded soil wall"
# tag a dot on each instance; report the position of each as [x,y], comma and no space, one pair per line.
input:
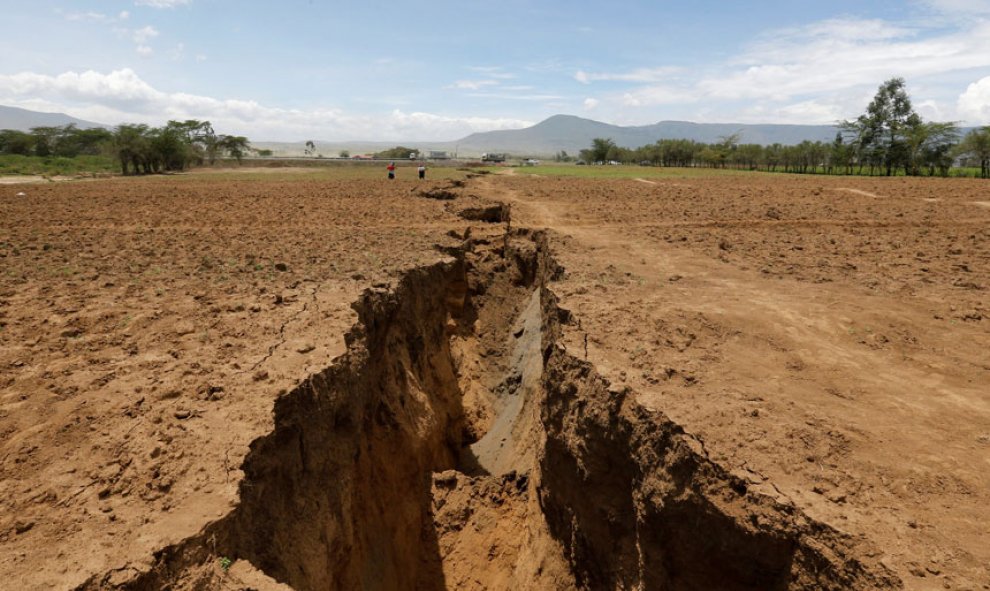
[363,484]
[639,505]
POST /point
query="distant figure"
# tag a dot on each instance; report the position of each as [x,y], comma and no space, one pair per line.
[391,170]
[422,171]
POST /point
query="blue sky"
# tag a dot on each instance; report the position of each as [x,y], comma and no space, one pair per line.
[337,71]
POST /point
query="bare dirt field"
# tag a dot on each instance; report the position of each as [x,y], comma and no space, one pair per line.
[331,381]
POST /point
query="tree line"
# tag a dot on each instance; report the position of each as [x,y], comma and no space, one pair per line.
[889,138]
[138,148]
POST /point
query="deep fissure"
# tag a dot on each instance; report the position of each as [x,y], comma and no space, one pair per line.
[457,444]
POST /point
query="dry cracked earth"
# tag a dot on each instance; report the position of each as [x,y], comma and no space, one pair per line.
[495,381]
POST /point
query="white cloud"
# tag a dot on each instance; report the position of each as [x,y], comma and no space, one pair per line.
[177,52]
[591,103]
[838,55]
[122,96]
[516,97]
[649,96]
[162,3]
[93,17]
[492,72]
[965,8]
[637,75]
[144,34]
[472,84]
[144,50]
[974,104]
[819,73]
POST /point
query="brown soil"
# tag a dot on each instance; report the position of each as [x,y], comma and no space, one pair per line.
[747,382]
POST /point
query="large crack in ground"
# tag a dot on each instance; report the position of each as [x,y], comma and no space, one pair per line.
[458,445]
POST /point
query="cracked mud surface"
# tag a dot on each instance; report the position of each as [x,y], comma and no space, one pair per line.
[812,360]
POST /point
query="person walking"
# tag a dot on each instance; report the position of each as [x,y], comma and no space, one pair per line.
[391,170]
[422,171]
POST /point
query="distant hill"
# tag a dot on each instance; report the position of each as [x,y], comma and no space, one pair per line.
[570,133]
[24,120]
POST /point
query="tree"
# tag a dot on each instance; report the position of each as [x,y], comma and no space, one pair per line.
[930,146]
[16,142]
[883,130]
[600,148]
[976,146]
[396,153]
[234,146]
[72,142]
[174,147]
[310,148]
[345,154]
[132,146]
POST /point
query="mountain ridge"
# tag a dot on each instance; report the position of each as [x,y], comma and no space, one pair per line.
[557,133]
[572,133]
[19,119]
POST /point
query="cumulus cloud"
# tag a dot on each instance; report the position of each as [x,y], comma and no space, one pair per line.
[122,96]
[821,72]
[974,104]
[591,103]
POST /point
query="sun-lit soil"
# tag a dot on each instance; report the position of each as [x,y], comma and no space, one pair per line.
[817,347]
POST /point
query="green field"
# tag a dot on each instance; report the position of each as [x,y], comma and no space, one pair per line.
[15,164]
[626,171]
[330,171]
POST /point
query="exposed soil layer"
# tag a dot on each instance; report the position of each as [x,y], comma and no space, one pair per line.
[147,327]
[746,382]
[828,347]
[361,483]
